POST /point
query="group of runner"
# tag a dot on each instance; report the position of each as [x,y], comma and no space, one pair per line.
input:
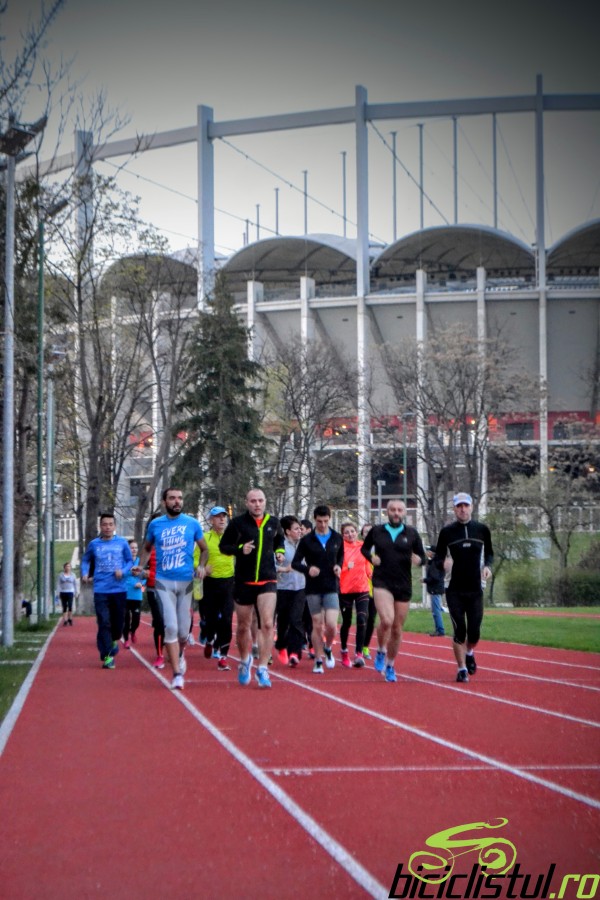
[263,567]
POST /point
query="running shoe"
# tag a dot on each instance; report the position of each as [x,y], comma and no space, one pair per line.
[202,641]
[318,667]
[108,662]
[462,675]
[346,659]
[379,664]
[390,674]
[329,658]
[244,671]
[216,653]
[222,665]
[159,662]
[262,677]
[70,621]
[127,645]
[65,623]
[311,653]
[359,661]
[366,653]
[283,657]
[471,664]
[208,650]
[293,661]
[190,640]
[177,683]
[182,663]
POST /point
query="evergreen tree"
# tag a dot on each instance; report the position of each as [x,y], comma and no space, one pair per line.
[224,444]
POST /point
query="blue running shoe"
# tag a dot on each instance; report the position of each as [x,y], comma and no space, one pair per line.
[108,662]
[390,674]
[244,671]
[379,664]
[262,677]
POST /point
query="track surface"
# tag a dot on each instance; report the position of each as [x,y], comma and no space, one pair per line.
[112,784]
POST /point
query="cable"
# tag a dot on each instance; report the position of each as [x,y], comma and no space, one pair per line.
[409,173]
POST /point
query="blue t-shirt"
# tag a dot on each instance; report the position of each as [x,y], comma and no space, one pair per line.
[174,539]
[109,556]
[322,538]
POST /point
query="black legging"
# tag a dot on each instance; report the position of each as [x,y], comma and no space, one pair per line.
[347,602]
[157,620]
[133,611]
[370,622]
[466,613]
[290,631]
[217,605]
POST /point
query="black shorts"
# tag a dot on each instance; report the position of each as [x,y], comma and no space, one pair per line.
[401,593]
[248,594]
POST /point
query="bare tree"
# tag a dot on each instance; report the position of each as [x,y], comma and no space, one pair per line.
[455,385]
[309,386]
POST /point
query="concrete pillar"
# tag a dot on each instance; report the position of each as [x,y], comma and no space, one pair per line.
[481,424]
[363,445]
[256,292]
[307,316]
[206,205]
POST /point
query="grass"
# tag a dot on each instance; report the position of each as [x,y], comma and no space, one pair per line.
[16,661]
[566,632]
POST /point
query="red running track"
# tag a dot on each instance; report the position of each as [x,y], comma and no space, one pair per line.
[112,784]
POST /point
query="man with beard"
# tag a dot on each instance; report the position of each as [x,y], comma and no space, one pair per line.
[175,535]
[392,549]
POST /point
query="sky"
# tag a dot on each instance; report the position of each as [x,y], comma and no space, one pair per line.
[156,62]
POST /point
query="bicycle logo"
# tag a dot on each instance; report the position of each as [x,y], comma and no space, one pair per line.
[496,853]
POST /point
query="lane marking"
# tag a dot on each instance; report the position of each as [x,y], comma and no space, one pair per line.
[529,659]
[350,865]
[374,770]
[528,706]
[511,672]
[12,715]
[450,745]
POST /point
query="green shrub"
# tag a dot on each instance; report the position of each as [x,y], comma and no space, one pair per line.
[577,587]
[591,558]
[523,587]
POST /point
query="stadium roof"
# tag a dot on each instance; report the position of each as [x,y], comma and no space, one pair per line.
[455,249]
[328,258]
[578,252]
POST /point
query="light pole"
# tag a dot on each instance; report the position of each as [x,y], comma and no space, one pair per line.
[44,215]
[380,484]
[12,144]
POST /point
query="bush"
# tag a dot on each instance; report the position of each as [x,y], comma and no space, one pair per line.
[524,587]
[591,557]
[577,587]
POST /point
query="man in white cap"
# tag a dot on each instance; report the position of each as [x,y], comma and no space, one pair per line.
[218,591]
[465,549]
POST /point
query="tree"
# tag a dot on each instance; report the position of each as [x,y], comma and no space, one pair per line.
[455,385]
[309,386]
[572,485]
[219,410]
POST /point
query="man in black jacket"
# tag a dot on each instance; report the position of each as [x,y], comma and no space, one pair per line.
[319,557]
[465,548]
[256,540]
[392,548]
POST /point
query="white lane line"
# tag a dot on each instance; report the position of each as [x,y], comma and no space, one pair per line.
[16,662]
[449,745]
[17,705]
[529,659]
[374,770]
[477,696]
[322,837]
[544,678]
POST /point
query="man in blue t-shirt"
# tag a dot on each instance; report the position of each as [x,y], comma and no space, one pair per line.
[112,561]
[175,536]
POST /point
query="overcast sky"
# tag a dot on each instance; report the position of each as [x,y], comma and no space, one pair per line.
[157,61]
